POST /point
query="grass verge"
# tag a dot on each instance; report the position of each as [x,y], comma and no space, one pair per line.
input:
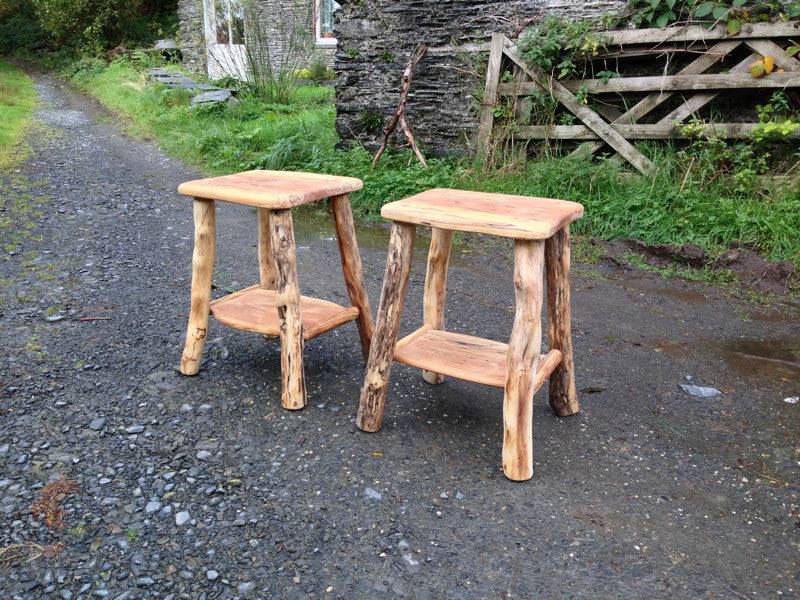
[672,206]
[17,100]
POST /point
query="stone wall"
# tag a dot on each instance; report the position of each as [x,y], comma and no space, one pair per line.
[191,36]
[376,38]
[191,32]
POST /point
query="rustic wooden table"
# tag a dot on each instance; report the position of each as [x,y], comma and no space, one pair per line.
[274,306]
[540,229]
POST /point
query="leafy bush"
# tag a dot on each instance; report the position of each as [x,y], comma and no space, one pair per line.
[90,24]
[660,13]
[558,44]
[19,29]
[86,26]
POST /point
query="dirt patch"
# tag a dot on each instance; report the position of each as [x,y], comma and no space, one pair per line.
[750,267]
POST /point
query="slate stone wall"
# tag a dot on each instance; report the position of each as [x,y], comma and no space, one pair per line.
[191,38]
[376,38]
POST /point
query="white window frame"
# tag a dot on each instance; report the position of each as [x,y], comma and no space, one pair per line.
[323,42]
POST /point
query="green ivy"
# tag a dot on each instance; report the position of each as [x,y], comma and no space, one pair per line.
[733,13]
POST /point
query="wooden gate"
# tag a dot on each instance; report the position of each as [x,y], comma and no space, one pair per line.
[629,111]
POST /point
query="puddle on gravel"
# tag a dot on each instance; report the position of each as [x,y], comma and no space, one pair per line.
[772,359]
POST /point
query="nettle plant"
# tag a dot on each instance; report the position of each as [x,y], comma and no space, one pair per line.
[559,45]
[732,13]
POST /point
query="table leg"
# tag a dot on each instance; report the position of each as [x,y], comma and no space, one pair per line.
[436,287]
[266,261]
[523,358]
[287,299]
[563,396]
[351,267]
[202,269]
[390,311]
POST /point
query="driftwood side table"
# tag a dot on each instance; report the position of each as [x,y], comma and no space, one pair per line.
[274,307]
[540,229]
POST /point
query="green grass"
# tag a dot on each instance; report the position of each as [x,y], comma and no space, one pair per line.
[670,206]
[720,277]
[17,99]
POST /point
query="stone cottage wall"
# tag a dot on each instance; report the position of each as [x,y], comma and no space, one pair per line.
[191,37]
[191,32]
[376,38]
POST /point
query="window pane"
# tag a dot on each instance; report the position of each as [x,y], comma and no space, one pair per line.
[326,8]
[221,21]
[237,22]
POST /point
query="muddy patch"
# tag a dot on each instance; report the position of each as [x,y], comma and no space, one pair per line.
[686,295]
[772,359]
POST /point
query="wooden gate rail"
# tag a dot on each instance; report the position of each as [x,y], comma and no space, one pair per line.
[635,132]
[612,127]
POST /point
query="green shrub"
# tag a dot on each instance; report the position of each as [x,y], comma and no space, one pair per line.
[19,28]
[86,26]
[732,13]
[558,44]
[89,24]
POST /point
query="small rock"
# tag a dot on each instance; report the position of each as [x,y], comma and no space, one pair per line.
[152,507]
[144,581]
[211,575]
[699,391]
[212,97]
[204,408]
[372,494]
[132,429]
[54,318]
[792,400]
[185,408]
[97,424]
[246,587]
[203,455]
[182,518]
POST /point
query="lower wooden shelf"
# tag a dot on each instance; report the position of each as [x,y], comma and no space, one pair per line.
[465,357]
[254,309]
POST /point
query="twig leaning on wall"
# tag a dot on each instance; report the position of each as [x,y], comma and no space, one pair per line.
[399,116]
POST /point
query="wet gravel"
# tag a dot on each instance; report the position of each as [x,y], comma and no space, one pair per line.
[205,488]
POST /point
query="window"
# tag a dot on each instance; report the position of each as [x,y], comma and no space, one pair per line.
[324,22]
[229,22]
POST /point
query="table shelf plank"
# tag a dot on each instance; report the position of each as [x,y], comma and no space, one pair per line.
[254,309]
[465,357]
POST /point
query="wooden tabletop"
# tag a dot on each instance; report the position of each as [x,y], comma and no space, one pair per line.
[519,217]
[270,189]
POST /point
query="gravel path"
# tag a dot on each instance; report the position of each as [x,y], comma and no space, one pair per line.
[205,488]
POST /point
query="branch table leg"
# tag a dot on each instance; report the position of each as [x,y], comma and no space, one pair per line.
[266,262]
[523,358]
[202,269]
[390,310]
[351,267]
[287,299]
[436,287]
[563,396]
